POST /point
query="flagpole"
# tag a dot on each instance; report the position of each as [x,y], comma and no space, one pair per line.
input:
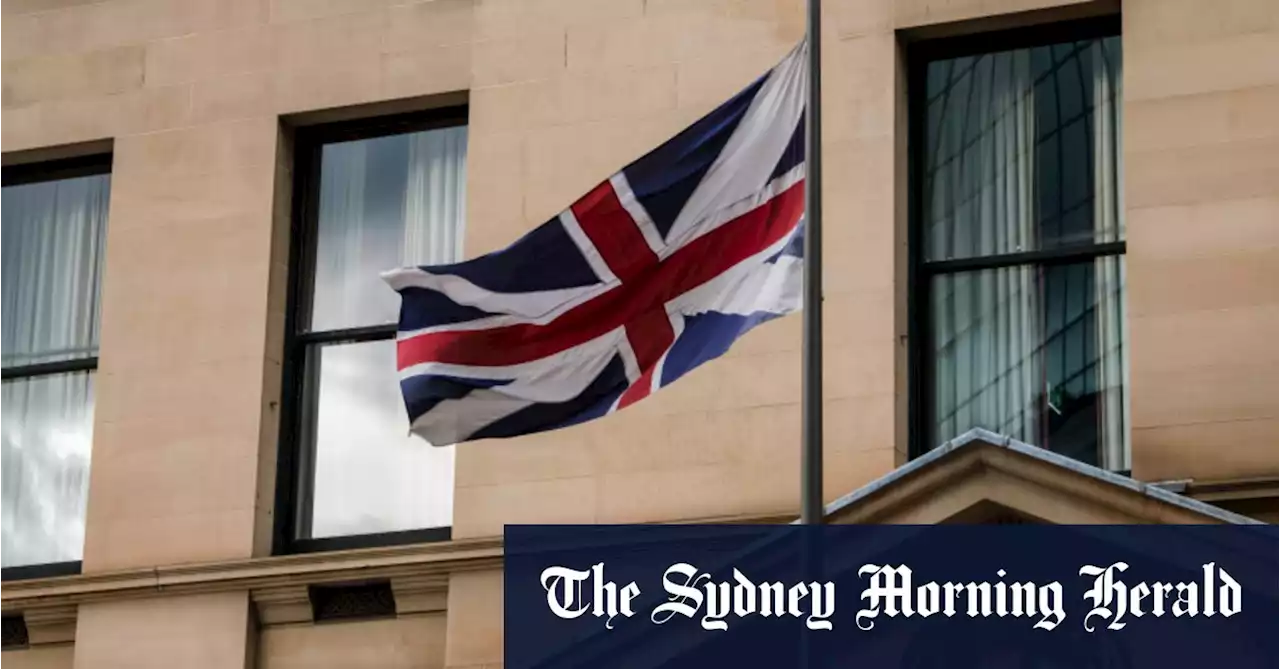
[811,506]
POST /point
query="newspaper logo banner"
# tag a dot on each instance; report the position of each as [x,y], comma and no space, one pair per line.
[891,596]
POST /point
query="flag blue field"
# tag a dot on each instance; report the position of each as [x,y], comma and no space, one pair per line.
[656,270]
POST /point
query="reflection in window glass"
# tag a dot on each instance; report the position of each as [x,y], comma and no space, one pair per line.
[47,431]
[383,203]
[370,474]
[1021,150]
[1021,154]
[54,236]
[1035,353]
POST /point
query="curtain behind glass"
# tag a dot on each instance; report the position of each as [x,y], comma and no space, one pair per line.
[982,123]
[1112,331]
[1022,155]
[1020,150]
[54,236]
[385,203]
[47,433]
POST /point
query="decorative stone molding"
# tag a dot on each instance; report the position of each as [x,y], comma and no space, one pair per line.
[270,576]
[293,603]
[420,594]
[279,585]
[40,625]
[1258,487]
[281,604]
[51,624]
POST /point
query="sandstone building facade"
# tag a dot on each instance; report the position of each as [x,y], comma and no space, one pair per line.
[1052,220]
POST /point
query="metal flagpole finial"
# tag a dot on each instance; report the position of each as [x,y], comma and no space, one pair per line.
[811,505]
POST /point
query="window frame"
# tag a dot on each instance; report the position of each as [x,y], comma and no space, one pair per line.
[42,172]
[920,363]
[293,496]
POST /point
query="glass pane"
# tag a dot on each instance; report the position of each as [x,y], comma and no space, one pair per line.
[1035,353]
[54,234]
[370,475]
[1021,150]
[385,203]
[47,428]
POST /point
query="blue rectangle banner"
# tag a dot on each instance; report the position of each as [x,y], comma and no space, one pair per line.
[891,596]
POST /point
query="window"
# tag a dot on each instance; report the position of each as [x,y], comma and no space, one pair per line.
[370,196]
[1018,240]
[54,237]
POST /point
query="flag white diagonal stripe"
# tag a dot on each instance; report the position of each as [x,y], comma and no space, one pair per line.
[748,159]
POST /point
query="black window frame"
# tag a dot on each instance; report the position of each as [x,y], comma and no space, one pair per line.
[42,172]
[292,494]
[920,374]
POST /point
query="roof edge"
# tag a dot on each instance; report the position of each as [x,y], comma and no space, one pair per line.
[981,436]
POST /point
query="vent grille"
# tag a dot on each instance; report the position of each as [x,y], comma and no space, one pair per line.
[15,632]
[344,602]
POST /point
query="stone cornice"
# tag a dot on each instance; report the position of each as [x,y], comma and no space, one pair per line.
[417,572]
[1260,487]
[413,563]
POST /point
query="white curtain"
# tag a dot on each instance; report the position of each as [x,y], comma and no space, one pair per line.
[384,203]
[436,198]
[986,323]
[1113,354]
[342,236]
[53,242]
[1022,151]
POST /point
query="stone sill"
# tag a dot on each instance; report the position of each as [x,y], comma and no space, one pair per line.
[418,568]
[278,585]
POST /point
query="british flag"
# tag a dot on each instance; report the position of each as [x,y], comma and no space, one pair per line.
[653,272]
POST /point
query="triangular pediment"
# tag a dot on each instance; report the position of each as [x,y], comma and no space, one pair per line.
[982,477]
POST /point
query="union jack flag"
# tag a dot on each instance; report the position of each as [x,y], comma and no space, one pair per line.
[653,272]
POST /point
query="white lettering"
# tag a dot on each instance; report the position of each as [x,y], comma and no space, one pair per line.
[564,594]
[1113,599]
[890,587]
[1186,604]
[564,591]
[823,596]
[1105,592]
[692,591]
[890,590]
[1050,606]
[1228,594]
[683,591]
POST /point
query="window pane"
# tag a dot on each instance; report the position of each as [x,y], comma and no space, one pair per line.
[369,474]
[384,203]
[1021,150]
[1035,353]
[54,234]
[47,428]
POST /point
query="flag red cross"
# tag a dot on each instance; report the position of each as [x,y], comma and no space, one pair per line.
[637,303]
